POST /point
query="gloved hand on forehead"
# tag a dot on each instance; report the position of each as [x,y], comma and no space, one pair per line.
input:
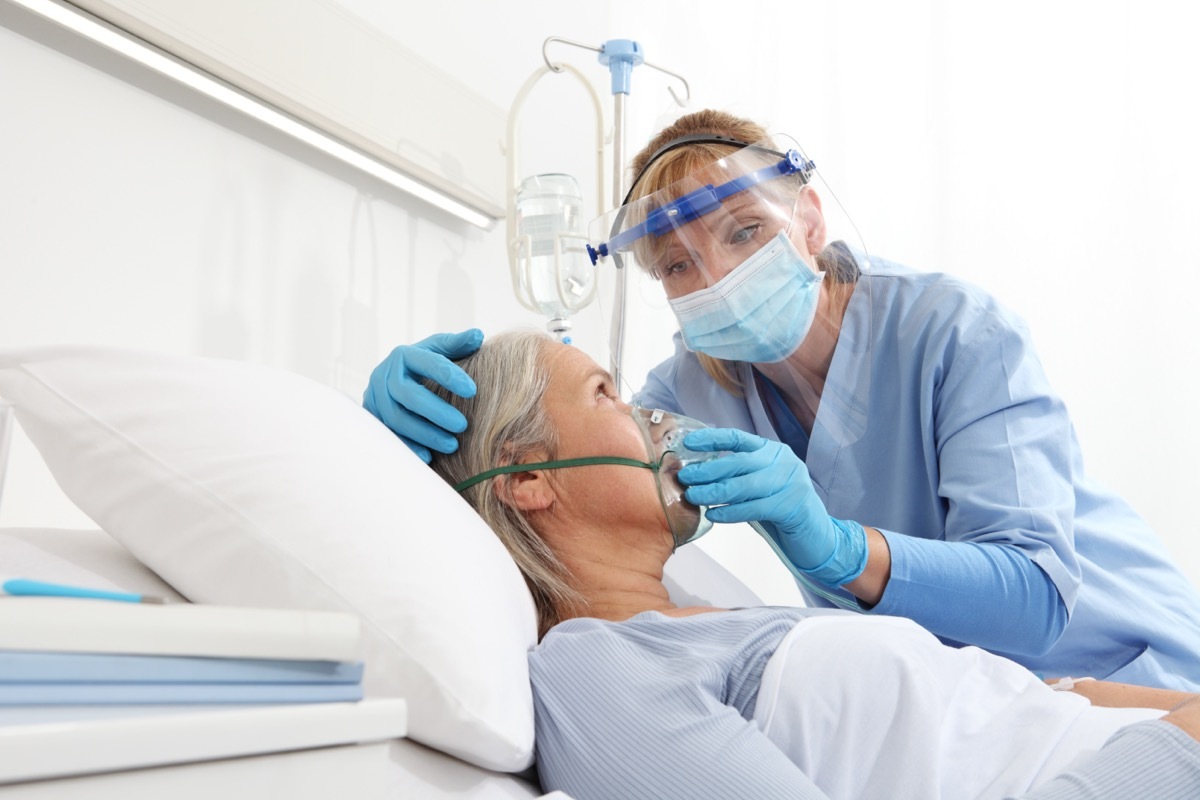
[764,481]
[396,396]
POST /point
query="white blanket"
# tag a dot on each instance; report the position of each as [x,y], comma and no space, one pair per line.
[842,697]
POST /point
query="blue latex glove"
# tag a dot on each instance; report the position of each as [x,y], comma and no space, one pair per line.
[764,481]
[395,395]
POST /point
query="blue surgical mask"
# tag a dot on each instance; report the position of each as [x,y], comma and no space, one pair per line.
[759,312]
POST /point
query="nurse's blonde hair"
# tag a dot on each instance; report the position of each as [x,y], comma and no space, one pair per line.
[677,164]
[507,423]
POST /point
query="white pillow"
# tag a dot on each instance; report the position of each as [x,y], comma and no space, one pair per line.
[694,578]
[245,485]
[5,438]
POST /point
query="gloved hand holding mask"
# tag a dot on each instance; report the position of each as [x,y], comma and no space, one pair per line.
[764,481]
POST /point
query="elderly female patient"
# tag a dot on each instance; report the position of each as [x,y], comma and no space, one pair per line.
[637,697]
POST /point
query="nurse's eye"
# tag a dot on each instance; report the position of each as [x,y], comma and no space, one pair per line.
[674,270]
[743,235]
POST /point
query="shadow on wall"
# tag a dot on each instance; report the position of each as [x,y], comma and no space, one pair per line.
[224,331]
[360,305]
[440,298]
[455,300]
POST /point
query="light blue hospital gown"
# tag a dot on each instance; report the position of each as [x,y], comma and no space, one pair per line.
[954,435]
[661,707]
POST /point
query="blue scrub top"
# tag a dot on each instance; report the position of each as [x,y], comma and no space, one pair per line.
[937,423]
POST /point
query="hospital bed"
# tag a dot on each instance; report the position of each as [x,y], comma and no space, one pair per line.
[217,481]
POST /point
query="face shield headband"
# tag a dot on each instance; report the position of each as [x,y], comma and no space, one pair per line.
[663,434]
[699,202]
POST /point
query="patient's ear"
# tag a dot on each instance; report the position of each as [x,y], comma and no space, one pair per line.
[525,491]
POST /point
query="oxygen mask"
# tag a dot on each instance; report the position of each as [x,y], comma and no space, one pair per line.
[664,434]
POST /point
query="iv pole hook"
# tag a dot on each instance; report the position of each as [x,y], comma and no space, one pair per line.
[620,56]
[687,90]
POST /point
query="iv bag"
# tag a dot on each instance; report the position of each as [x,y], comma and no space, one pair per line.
[553,273]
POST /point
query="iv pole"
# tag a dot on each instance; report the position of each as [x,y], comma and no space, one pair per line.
[620,56]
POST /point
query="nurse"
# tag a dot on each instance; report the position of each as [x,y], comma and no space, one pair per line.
[907,452]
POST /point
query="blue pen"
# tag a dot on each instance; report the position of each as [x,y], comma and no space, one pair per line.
[24,587]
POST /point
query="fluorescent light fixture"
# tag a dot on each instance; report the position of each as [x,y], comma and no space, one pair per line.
[85,25]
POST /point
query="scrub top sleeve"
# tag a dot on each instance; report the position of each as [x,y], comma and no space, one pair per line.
[988,595]
[613,720]
[1006,449]
[659,389]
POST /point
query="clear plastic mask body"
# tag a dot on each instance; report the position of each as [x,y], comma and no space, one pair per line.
[664,434]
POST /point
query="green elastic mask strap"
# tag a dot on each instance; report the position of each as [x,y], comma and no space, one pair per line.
[567,462]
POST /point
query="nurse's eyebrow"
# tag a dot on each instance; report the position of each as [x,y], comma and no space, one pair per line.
[736,204]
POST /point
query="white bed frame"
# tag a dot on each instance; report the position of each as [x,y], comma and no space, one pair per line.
[326,750]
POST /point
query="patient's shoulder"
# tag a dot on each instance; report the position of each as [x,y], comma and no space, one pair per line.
[651,639]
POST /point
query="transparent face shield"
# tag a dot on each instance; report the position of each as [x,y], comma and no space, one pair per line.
[753,262]
[663,434]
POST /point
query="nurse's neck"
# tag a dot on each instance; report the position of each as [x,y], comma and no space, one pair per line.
[801,376]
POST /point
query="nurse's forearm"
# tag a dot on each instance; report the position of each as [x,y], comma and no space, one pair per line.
[1186,717]
[868,587]
[1111,694]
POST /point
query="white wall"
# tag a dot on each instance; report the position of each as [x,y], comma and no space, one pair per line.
[1043,150]
[137,214]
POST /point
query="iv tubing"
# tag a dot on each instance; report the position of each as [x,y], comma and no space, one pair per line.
[806,582]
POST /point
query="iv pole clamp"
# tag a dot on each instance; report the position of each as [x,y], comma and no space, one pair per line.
[620,56]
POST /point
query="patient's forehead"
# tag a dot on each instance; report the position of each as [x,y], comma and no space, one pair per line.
[569,364]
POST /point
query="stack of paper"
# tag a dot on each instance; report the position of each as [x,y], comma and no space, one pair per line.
[60,651]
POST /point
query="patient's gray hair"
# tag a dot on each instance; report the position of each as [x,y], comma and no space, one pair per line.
[506,423]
